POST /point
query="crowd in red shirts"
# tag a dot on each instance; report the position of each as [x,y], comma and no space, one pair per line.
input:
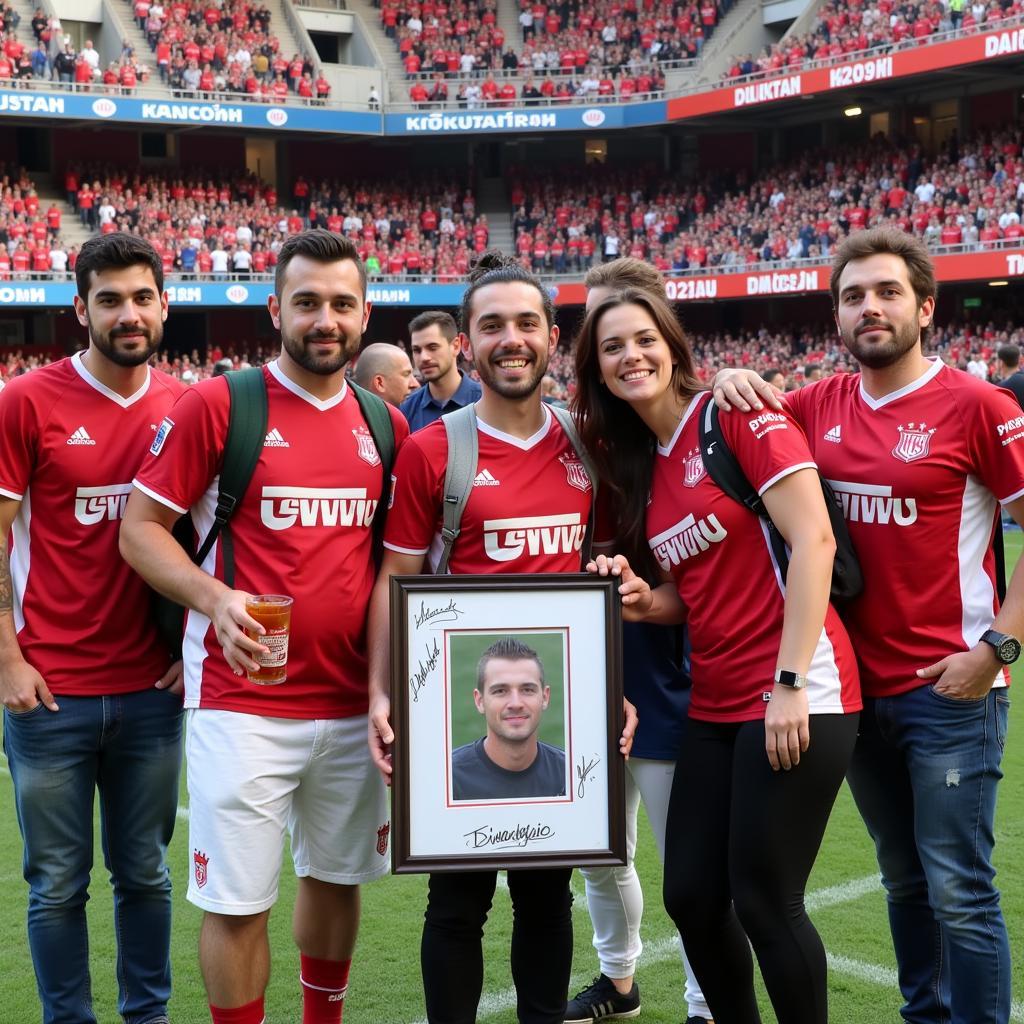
[847,27]
[30,230]
[971,195]
[212,48]
[595,49]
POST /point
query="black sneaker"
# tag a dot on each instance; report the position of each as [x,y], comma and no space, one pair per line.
[697,1020]
[602,1001]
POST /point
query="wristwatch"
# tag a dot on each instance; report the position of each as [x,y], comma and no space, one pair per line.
[1007,647]
[795,681]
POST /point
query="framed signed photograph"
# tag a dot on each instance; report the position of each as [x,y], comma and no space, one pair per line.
[506,697]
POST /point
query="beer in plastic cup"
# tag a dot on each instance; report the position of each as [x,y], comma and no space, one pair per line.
[274,613]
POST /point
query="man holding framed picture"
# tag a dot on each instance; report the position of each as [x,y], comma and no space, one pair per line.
[528,473]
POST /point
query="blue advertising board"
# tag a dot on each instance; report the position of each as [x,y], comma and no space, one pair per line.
[23,294]
[297,118]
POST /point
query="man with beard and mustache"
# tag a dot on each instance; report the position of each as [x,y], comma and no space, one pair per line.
[922,456]
[91,701]
[264,761]
[528,475]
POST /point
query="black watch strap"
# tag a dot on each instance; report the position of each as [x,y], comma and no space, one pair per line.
[1007,647]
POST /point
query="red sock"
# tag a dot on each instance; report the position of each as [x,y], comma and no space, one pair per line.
[251,1013]
[323,989]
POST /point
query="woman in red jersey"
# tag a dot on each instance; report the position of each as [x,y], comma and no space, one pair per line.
[775,700]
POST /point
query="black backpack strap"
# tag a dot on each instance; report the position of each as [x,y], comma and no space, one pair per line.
[722,465]
[247,431]
[1000,555]
[378,419]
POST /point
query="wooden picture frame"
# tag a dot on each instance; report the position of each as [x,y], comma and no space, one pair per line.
[477,815]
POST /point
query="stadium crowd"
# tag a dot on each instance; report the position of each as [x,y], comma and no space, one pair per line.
[844,29]
[970,195]
[608,49]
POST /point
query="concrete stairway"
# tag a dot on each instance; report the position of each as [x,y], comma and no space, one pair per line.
[279,27]
[492,200]
[118,14]
[72,231]
[508,19]
[396,86]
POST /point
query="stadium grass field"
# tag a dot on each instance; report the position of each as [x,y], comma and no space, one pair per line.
[845,898]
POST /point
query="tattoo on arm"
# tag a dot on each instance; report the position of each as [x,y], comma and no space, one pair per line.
[6,590]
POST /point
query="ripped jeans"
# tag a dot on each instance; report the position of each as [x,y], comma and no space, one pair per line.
[924,775]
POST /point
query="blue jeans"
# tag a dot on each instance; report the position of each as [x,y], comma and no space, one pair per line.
[924,776]
[128,747]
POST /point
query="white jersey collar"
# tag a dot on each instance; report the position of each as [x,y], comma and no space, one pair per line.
[914,385]
[289,385]
[83,372]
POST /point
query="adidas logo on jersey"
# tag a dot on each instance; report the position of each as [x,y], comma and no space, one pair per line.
[485,479]
[275,440]
[80,436]
[835,435]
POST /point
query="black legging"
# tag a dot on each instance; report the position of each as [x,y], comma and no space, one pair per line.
[741,841]
[451,956]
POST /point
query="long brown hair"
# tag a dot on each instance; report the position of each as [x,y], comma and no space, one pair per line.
[617,439]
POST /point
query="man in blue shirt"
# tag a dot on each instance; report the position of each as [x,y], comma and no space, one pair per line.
[435,353]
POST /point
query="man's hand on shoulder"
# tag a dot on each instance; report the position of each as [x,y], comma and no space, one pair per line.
[743,390]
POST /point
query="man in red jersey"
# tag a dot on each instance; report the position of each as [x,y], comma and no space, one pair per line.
[90,701]
[528,475]
[922,456]
[266,760]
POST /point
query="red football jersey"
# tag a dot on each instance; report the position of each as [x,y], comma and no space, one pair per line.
[71,448]
[920,473]
[720,558]
[303,529]
[527,512]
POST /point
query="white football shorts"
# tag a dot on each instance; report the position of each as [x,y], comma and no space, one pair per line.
[253,779]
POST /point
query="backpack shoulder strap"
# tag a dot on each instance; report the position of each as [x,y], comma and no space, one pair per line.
[566,422]
[247,431]
[378,419]
[463,453]
[721,463]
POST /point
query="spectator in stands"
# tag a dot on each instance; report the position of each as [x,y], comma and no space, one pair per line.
[386,371]
[1008,371]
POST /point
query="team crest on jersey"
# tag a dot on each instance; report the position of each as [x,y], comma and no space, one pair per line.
[913,443]
[382,838]
[199,861]
[693,468]
[367,449]
[575,471]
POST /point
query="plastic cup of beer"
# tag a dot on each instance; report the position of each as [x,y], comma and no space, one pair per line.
[274,613]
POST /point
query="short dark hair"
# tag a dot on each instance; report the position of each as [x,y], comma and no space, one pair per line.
[494,267]
[445,322]
[625,272]
[893,242]
[319,245]
[810,368]
[1009,355]
[508,648]
[116,251]
[772,371]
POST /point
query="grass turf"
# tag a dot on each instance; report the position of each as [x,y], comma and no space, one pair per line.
[385,983]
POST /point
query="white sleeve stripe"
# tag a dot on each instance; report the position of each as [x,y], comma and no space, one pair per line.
[786,472]
[406,551]
[11,494]
[1002,501]
[159,497]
